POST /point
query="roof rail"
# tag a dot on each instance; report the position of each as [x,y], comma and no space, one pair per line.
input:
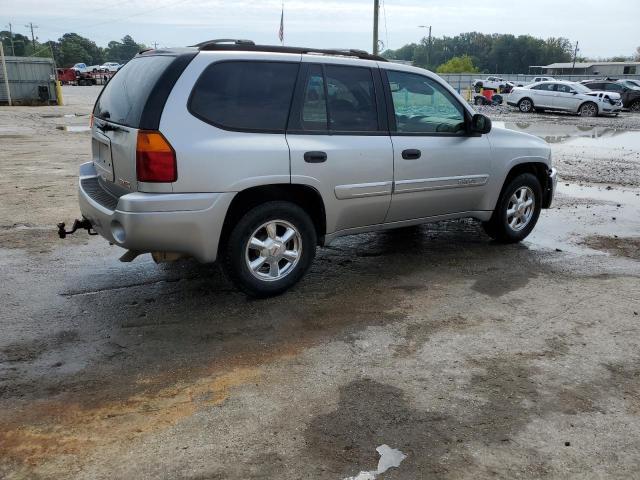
[248,45]
[223,41]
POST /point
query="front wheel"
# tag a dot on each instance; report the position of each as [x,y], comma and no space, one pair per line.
[589,109]
[635,106]
[517,210]
[270,249]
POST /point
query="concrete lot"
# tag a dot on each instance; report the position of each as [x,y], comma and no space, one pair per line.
[475,360]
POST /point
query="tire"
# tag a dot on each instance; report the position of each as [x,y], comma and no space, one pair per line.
[525,105]
[635,107]
[479,101]
[588,109]
[477,87]
[505,227]
[257,225]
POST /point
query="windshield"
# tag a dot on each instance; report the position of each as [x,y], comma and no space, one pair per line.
[578,87]
[125,96]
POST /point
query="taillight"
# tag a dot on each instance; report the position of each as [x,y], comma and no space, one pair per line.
[155,158]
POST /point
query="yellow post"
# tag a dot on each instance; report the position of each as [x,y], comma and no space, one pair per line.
[59,93]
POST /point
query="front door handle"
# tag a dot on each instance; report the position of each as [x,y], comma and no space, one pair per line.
[315,157]
[411,154]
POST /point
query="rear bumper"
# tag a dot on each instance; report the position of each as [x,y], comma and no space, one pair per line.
[188,223]
[550,188]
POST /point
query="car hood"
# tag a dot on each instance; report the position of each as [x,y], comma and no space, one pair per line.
[526,142]
[611,95]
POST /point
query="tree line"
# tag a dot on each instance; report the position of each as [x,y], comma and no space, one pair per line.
[498,53]
[71,48]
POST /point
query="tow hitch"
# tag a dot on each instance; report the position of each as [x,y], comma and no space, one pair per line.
[83,224]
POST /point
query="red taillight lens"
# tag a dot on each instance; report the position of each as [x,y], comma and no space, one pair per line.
[155,158]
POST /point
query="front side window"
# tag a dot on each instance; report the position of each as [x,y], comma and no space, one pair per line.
[422,105]
[245,95]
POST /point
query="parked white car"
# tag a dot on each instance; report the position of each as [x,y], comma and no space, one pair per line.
[536,80]
[492,83]
[109,67]
[565,96]
[80,68]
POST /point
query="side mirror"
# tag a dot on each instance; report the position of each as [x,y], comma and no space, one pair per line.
[480,124]
[574,92]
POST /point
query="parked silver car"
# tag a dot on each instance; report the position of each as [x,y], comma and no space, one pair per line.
[566,96]
[255,155]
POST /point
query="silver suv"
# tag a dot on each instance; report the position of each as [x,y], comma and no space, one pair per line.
[255,155]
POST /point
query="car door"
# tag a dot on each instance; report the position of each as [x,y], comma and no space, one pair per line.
[543,95]
[438,167]
[565,98]
[339,141]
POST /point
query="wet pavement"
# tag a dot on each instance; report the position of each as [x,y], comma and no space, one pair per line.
[464,358]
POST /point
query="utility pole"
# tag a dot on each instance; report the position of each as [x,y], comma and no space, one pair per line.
[428,44]
[33,37]
[155,45]
[13,50]
[575,54]
[376,9]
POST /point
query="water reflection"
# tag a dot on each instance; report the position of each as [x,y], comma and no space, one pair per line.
[560,133]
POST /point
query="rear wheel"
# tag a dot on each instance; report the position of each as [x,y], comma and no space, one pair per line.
[517,210]
[589,109]
[270,249]
[635,106]
[525,105]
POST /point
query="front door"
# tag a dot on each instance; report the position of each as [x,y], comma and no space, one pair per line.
[339,143]
[566,98]
[439,168]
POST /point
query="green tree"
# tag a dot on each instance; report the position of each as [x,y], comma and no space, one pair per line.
[77,49]
[463,64]
[122,51]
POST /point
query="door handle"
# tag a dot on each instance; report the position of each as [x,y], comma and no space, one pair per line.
[411,154]
[315,157]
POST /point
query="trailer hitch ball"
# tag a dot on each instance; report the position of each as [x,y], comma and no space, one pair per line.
[83,224]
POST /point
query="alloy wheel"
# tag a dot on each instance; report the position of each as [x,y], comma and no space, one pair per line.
[273,250]
[520,208]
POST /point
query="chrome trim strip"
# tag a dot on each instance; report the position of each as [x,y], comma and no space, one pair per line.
[423,184]
[358,190]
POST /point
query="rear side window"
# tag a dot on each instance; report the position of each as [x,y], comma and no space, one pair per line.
[124,98]
[245,95]
[338,99]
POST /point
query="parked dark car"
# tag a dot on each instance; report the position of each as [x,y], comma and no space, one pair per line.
[630,96]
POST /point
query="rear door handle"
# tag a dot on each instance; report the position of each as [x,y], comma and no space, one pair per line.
[315,157]
[411,154]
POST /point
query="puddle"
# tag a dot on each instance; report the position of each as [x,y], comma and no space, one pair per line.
[389,458]
[586,211]
[74,128]
[577,135]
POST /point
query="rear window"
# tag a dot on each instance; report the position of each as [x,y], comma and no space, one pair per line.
[245,95]
[124,97]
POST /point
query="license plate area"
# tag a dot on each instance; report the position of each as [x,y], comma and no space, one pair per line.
[102,161]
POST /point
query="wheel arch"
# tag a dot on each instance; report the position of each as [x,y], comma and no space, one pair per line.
[305,196]
[589,101]
[538,168]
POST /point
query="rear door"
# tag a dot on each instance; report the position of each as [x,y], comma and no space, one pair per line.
[543,95]
[339,142]
[439,168]
[128,103]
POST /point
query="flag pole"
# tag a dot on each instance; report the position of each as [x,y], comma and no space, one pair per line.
[281,32]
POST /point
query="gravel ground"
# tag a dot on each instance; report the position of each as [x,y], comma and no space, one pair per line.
[474,360]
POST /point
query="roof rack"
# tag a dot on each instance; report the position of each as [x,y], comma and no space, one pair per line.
[248,45]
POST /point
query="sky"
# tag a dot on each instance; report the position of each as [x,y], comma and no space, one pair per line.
[602,30]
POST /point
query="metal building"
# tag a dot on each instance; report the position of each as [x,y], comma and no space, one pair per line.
[31,80]
[616,69]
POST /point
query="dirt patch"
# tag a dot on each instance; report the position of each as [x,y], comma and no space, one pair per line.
[417,334]
[621,246]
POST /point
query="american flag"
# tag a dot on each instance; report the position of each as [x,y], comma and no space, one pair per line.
[281,31]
